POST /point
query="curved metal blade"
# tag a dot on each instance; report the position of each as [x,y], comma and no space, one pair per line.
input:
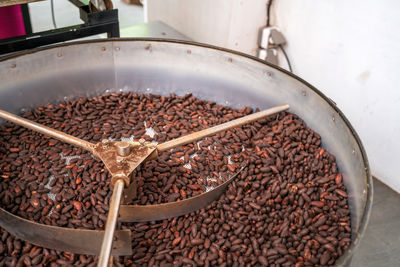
[78,241]
[137,213]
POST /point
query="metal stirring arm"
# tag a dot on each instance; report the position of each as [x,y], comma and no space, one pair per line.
[221,127]
[121,158]
[47,131]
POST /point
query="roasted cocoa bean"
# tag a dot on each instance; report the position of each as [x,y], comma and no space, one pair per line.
[288,207]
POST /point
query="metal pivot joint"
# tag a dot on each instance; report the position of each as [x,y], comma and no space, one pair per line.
[121,158]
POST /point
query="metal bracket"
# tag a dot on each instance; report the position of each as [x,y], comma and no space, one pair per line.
[122,158]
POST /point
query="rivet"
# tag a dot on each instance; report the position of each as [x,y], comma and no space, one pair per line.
[13,65]
[103,48]
[230,59]
[333,118]
[117,48]
[105,143]
[303,93]
[59,54]
[268,73]
[354,151]
[189,51]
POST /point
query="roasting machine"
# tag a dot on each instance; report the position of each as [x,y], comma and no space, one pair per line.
[82,69]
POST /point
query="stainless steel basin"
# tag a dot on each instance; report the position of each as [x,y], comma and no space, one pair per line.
[73,70]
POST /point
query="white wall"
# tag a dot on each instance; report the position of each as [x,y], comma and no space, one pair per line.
[228,23]
[350,50]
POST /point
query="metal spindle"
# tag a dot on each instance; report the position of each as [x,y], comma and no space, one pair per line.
[112,217]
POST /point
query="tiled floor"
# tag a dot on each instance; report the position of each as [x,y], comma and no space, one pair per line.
[381,243]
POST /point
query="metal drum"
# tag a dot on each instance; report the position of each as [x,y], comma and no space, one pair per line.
[73,70]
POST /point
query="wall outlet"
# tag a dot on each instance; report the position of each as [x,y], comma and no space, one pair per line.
[270,36]
[270,55]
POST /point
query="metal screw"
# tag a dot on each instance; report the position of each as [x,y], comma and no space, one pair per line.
[121,161]
[105,143]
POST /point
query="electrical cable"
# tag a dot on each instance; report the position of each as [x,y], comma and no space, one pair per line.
[269,4]
[53,18]
[287,58]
